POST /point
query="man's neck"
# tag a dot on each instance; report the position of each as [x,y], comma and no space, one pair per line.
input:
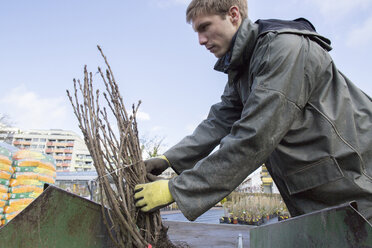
[224,62]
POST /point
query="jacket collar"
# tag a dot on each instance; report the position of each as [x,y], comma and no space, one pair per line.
[242,46]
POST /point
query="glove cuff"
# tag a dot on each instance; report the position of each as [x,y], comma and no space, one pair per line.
[164,158]
[167,194]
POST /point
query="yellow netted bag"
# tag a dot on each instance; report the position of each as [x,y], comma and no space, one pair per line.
[35,169]
[15,208]
[11,215]
[3,203]
[26,189]
[24,158]
[4,196]
[17,182]
[25,175]
[22,154]
[3,188]
[5,175]
[6,167]
[15,202]
[47,179]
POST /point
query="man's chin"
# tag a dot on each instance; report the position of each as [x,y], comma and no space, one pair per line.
[218,55]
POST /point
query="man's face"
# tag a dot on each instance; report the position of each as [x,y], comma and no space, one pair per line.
[215,33]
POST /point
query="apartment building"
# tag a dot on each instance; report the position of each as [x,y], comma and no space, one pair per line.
[67,147]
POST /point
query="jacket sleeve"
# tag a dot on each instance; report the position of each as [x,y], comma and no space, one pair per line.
[275,101]
[208,134]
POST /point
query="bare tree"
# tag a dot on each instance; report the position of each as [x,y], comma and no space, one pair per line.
[5,120]
[6,135]
[116,155]
[151,147]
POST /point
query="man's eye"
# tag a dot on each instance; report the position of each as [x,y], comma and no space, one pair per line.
[204,27]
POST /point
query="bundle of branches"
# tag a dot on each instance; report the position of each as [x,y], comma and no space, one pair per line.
[116,154]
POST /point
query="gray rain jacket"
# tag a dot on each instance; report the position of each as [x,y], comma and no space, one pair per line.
[285,104]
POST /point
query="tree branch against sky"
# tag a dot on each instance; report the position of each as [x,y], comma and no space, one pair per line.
[5,120]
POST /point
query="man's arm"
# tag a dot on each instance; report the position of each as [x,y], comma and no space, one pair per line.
[208,134]
[278,93]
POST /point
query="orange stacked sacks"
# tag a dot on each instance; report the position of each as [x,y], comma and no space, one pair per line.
[31,171]
[6,171]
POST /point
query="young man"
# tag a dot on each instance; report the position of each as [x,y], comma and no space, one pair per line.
[285,104]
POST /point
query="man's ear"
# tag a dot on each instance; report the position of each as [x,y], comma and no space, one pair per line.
[234,15]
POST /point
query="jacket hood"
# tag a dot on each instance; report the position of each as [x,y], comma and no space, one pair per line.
[248,33]
[242,48]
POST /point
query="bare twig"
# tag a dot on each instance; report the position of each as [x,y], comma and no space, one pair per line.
[117,158]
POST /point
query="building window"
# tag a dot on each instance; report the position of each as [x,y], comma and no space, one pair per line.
[33,146]
[28,139]
[42,140]
[35,140]
[42,146]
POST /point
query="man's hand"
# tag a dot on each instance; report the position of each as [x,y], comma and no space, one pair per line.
[156,166]
[152,196]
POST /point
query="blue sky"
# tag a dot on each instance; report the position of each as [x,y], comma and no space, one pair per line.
[153,52]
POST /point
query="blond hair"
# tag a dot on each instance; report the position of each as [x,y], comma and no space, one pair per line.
[215,7]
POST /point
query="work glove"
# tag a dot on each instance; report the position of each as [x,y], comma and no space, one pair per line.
[156,166]
[152,196]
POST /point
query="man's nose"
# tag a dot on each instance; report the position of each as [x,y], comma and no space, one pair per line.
[202,39]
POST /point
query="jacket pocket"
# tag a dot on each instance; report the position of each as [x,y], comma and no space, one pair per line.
[316,174]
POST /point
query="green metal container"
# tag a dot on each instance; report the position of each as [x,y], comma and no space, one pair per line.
[340,226]
[57,219]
